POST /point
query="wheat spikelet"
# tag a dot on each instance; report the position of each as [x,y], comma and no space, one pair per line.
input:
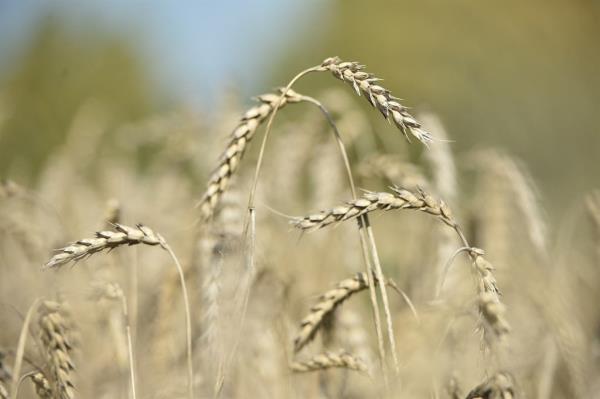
[57,346]
[329,360]
[43,388]
[380,98]
[371,201]
[498,386]
[124,235]
[240,138]
[328,302]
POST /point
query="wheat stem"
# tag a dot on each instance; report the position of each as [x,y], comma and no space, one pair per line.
[21,349]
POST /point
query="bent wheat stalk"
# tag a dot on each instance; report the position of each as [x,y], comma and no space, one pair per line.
[329,360]
[126,235]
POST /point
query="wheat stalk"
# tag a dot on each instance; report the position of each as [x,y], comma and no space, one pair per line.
[125,235]
[113,292]
[365,84]
[329,360]
[498,386]
[58,348]
[238,142]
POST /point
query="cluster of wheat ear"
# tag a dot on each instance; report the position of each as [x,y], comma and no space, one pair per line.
[304,311]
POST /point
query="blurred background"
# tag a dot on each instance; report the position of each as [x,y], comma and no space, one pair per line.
[520,76]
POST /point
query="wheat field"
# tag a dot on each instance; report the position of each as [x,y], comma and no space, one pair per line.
[261,253]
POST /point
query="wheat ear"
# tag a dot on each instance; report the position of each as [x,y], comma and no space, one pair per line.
[329,360]
[125,235]
[365,84]
[238,142]
[328,302]
[55,340]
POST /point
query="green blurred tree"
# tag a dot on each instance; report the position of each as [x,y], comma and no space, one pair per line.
[58,73]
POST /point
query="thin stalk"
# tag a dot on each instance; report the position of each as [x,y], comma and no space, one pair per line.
[447,267]
[384,295]
[188,321]
[362,222]
[129,345]
[21,350]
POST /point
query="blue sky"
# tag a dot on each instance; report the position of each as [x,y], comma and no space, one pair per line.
[191,47]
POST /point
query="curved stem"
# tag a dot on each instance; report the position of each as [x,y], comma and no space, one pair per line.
[447,267]
[129,344]
[188,321]
[21,350]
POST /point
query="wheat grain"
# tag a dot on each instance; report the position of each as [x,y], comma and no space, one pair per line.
[238,142]
[498,386]
[42,385]
[329,360]
[380,98]
[55,339]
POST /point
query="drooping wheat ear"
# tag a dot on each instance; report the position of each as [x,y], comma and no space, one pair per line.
[420,201]
[240,138]
[380,98]
[42,385]
[498,386]
[124,235]
[328,302]
[55,340]
[371,201]
[3,392]
[329,360]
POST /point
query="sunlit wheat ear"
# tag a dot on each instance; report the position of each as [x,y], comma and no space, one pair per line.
[372,201]
[329,360]
[57,347]
[365,84]
[238,143]
[124,235]
[498,386]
